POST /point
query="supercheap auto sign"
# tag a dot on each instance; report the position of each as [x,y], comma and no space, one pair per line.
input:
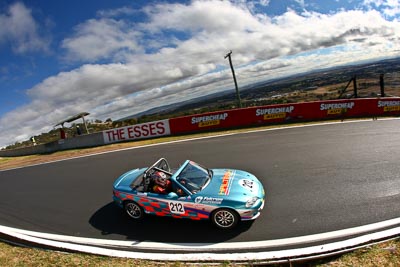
[209,120]
[318,110]
[138,131]
[389,105]
[273,113]
[336,108]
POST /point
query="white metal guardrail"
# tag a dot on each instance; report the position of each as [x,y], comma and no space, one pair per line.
[198,252]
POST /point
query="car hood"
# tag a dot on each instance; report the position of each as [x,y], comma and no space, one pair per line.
[231,182]
[126,179]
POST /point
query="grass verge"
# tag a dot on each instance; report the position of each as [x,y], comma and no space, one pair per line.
[383,254]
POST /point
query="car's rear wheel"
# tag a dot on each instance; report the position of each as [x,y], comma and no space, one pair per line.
[133,210]
[225,218]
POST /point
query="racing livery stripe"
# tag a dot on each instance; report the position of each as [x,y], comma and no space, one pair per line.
[160,207]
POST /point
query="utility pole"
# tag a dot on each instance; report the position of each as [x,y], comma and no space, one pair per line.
[382,84]
[234,78]
[355,86]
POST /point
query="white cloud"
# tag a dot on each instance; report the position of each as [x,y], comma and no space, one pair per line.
[187,63]
[300,3]
[390,8]
[116,12]
[200,16]
[20,30]
[101,39]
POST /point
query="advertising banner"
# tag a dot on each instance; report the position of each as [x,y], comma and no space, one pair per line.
[272,114]
[136,132]
[389,106]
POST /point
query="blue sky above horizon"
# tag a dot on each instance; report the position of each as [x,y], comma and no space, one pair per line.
[117,58]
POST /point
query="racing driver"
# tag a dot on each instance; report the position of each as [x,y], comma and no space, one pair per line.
[162,185]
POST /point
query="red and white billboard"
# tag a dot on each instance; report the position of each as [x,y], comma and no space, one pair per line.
[136,132]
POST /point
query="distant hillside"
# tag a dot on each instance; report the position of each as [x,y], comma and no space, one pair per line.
[175,106]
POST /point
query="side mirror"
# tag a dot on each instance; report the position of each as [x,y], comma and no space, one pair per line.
[172,195]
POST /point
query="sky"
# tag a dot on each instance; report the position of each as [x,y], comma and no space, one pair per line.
[115,58]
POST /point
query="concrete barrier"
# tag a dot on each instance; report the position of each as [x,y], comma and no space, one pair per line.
[82,141]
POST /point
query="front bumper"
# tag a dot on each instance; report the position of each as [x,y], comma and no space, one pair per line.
[252,214]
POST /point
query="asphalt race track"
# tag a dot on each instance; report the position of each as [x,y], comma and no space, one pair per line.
[317,178]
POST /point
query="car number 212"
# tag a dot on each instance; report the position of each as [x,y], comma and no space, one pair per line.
[176,208]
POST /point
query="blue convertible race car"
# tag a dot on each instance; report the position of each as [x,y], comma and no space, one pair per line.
[224,196]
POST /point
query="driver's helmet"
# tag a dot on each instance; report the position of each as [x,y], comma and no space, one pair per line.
[160,178]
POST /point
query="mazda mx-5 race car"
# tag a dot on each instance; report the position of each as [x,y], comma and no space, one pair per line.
[224,196]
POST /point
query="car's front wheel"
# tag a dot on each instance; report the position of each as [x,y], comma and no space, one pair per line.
[224,218]
[133,210]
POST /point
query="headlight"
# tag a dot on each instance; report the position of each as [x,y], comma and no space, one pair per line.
[251,202]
